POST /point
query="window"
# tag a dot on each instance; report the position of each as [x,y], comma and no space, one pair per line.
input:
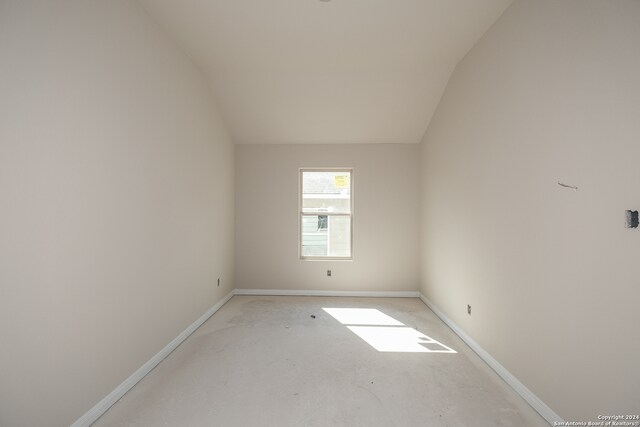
[326,211]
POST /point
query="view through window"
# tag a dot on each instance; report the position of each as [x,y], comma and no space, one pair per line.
[325,213]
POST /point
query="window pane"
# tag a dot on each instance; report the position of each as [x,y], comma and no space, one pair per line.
[314,237]
[328,191]
[326,235]
[339,236]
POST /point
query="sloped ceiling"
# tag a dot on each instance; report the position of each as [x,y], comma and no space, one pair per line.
[339,71]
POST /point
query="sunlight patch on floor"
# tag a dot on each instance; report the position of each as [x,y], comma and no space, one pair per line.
[362,316]
[384,333]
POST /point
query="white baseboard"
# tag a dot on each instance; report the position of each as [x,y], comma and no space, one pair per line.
[101,407]
[291,292]
[545,411]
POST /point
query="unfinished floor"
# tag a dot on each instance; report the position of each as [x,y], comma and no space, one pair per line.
[267,361]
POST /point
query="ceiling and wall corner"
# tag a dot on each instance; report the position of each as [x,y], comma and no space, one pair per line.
[357,71]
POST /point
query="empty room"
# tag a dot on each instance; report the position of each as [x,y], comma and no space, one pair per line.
[319,213]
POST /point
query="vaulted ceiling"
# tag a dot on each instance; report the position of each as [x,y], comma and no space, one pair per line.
[318,71]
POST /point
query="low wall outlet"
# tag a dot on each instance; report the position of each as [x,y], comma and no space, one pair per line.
[329,273]
[468,309]
[218,281]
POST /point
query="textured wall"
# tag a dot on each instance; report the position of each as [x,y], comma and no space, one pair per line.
[385,217]
[550,93]
[116,210]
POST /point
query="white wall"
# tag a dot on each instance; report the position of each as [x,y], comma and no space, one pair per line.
[116,202]
[551,93]
[385,221]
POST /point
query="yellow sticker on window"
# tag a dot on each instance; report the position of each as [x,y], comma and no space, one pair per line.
[341,181]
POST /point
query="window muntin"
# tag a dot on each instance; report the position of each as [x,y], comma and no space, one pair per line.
[325,213]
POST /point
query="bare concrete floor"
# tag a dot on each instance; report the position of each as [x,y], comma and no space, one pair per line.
[264,361]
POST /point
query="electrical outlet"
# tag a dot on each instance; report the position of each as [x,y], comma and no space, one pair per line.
[468,309]
[329,273]
[218,282]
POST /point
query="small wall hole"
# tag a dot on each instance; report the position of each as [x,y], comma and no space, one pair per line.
[632,219]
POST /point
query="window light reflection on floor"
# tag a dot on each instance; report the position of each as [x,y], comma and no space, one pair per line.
[384,333]
[362,316]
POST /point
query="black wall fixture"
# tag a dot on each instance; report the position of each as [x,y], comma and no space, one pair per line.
[632,219]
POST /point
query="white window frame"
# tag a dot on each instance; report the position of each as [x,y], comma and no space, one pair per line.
[302,214]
